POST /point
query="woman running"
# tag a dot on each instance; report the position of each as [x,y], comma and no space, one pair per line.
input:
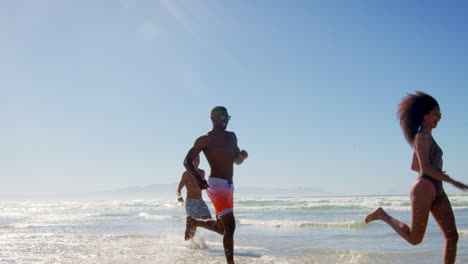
[419,114]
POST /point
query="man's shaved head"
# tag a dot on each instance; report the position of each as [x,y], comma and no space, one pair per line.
[216,111]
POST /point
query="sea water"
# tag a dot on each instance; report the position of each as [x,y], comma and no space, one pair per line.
[269,230]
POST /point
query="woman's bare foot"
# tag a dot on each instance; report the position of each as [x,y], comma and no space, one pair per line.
[376,215]
[189,227]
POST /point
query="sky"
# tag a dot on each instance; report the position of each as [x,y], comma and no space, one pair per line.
[102,95]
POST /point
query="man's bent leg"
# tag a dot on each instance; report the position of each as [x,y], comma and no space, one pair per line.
[229,223]
[210,224]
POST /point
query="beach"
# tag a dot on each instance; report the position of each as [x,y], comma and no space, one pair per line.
[269,230]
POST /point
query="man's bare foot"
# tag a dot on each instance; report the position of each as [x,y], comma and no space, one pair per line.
[376,215]
[189,227]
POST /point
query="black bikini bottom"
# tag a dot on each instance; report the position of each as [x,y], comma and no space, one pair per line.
[436,183]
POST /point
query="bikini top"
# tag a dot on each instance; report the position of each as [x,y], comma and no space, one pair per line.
[435,155]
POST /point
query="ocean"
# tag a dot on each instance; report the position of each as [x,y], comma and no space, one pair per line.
[269,230]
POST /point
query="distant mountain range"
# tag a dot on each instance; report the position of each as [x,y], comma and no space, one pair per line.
[165,191]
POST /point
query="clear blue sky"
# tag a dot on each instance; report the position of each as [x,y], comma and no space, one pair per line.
[99,95]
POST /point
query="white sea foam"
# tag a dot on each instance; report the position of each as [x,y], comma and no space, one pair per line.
[301,224]
[107,249]
[155,217]
[197,242]
[140,231]
[463,232]
[459,202]
[51,219]
[394,203]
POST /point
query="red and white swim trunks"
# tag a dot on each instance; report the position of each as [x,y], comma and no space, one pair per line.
[221,194]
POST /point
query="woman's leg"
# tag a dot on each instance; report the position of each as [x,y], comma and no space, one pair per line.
[443,214]
[421,203]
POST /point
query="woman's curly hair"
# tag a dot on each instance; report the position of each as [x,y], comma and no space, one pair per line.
[411,111]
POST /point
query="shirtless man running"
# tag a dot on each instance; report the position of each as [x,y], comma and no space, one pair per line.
[221,151]
[194,204]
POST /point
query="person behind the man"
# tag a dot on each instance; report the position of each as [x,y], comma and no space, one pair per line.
[194,204]
[221,151]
